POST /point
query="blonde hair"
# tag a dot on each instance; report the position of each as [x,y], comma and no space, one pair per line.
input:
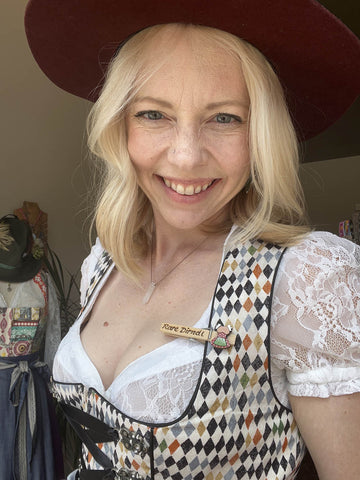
[271,207]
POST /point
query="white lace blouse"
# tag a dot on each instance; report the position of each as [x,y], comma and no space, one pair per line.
[315,337]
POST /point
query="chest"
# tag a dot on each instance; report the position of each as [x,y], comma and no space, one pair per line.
[120,327]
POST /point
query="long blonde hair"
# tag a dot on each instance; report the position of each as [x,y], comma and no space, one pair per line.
[270,207]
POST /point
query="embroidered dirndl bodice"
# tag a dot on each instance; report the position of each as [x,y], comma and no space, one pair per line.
[234,426]
[22,328]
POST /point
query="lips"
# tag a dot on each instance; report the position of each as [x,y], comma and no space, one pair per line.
[187,188]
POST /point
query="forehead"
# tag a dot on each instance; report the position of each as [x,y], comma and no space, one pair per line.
[193,62]
[182,44]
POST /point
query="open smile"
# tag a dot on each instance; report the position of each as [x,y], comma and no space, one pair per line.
[187,188]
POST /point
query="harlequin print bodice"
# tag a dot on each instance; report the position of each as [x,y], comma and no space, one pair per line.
[22,328]
[234,426]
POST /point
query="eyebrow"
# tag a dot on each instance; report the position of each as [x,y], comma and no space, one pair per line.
[236,103]
[159,101]
[210,106]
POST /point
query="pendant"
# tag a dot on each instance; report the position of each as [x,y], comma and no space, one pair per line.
[149,292]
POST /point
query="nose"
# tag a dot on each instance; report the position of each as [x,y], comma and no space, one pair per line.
[185,150]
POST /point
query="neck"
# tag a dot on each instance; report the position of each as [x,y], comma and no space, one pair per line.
[168,250]
[171,257]
[166,246]
[169,242]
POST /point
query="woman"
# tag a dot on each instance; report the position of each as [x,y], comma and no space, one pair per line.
[201,161]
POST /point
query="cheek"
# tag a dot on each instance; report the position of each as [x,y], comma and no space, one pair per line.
[136,146]
[232,152]
[145,146]
[237,162]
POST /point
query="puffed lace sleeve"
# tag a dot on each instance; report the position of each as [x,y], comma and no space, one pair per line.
[315,323]
[87,269]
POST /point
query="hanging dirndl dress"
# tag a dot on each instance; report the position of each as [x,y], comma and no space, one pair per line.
[30,445]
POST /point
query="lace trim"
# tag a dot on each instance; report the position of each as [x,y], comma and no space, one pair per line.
[315,334]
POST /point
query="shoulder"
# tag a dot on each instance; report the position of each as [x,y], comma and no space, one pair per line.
[316,316]
[327,249]
[322,271]
[88,267]
[95,254]
[324,261]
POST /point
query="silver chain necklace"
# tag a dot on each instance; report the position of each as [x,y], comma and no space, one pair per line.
[153,284]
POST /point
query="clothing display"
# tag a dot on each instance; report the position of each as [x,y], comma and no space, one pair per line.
[36,218]
[29,440]
[312,335]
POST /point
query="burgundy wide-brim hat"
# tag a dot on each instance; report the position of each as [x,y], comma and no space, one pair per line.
[316,57]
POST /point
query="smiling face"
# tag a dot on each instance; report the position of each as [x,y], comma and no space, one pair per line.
[187,131]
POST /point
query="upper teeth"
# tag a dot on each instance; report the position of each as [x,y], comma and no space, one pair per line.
[186,189]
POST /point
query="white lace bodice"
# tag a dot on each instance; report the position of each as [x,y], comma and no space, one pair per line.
[315,337]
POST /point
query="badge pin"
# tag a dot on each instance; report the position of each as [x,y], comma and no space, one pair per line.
[221,340]
[220,337]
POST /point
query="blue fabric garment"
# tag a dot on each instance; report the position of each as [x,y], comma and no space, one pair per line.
[39,462]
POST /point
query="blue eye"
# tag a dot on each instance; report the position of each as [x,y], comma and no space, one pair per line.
[150,115]
[227,118]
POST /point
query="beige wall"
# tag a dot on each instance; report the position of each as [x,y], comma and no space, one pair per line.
[332,188]
[42,138]
[43,150]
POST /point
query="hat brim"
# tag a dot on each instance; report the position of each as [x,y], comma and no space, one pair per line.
[28,269]
[314,54]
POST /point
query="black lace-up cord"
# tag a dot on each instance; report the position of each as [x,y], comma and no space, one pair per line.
[91,431]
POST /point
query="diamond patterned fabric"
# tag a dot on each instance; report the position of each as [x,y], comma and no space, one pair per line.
[234,427]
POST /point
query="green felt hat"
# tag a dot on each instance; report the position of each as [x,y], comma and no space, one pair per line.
[19,260]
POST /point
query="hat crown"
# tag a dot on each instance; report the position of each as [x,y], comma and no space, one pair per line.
[17,263]
[20,233]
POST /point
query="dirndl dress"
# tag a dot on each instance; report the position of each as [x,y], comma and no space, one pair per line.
[30,445]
